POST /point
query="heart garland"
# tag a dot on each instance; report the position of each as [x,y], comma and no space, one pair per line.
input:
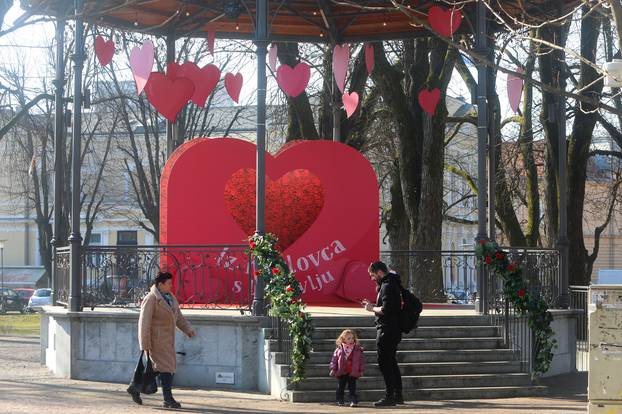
[233,85]
[293,81]
[515,90]
[341,57]
[428,100]
[444,22]
[204,79]
[350,102]
[369,57]
[104,50]
[141,62]
[168,96]
[272,55]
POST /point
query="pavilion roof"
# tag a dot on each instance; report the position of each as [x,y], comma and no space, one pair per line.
[296,20]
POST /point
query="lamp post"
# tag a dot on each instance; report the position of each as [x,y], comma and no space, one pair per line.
[2,272]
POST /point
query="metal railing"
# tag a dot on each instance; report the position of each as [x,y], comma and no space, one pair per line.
[203,276]
[579,302]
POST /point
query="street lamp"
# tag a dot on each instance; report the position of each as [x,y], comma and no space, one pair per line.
[2,272]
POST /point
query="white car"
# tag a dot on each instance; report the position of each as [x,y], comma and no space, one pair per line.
[41,297]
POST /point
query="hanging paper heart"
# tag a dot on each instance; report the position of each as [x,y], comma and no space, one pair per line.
[233,85]
[141,62]
[369,57]
[341,57]
[350,102]
[211,38]
[428,99]
[272,53]
[204,79]
[515,90]
[293,81]
[104,50]
[168,96]
[444,22]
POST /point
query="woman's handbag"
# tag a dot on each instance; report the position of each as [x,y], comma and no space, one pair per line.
[144,380]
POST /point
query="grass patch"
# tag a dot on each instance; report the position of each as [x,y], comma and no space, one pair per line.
[20,325]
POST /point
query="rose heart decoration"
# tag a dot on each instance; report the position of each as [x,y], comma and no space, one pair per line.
[369,57]
[168,96]
[350,102]
[293,81]
[515,90]
[444,22]
[104,50]
[141,62]
[341,57]
[233,85]
[428,99]
[204,79]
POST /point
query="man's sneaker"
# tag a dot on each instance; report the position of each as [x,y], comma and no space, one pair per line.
[399,399]
[171,404]
[385,402]
[354,404]
[340,403]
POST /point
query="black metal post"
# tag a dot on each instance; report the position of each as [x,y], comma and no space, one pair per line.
[261,41]
[75,239]
[562,242]
[336,111]
[482,135]
[171,139]
[59,145]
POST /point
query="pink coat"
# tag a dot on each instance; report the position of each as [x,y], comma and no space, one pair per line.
[338,362]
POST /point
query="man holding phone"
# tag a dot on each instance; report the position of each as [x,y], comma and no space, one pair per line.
[389,334]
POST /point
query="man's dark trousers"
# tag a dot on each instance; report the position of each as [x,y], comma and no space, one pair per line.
[386,342]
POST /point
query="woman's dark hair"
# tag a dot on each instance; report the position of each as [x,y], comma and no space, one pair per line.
[162,277]
[375,266]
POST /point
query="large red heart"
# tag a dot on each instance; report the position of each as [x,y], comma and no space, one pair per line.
[428,99]
[330,258]
[293,203]
[293,81]
[168,96]
[233,85]
[204,79]
[104,50]
[444,22]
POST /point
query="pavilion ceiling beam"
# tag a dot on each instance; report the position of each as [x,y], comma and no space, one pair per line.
[327,16]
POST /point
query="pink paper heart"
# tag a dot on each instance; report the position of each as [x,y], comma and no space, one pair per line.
[141,62]
[293,81]
[104,50]
[233,85]
[515,90]
[272,53]
[428,99]
[444,22]
[350,102]
[204,79]
[211,38]
[341,57]
[168,96]
[369,57]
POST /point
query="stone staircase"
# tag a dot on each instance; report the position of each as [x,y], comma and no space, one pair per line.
[447,357]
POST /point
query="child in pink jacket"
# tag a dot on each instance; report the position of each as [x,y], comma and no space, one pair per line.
[347,365]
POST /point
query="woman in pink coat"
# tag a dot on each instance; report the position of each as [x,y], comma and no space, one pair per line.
[159,316]
[347,365]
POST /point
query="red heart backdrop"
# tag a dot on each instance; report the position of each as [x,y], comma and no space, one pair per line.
[199,205]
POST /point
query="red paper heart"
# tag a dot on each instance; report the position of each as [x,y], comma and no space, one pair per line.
[211,38]
[444,22]
[428,99]
[350,102]
[293,203]
[515,90]
[369,57]
[168,96]
[104,50]
[204,79]
[233,85]
[293,81]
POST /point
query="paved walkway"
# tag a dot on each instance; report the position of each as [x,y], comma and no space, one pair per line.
[27,387]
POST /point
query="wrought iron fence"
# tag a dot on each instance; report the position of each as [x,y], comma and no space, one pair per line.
[579,302]
[62,273]
[203,276]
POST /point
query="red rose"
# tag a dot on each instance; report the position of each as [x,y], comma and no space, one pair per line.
[275,271]
[499,255]
[302,315]
[511,267]
[289,289]
[482,241]
[521,293]
[252,244]
[257,273]
[294,300]
[488,260]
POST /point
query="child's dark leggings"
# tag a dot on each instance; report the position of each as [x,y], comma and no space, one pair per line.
[343,380]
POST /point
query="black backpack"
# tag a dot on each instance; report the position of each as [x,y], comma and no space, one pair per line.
[411,309]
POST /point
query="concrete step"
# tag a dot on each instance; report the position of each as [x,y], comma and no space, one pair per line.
[420,332]
[425,393]
[426,381]
[442,355]
[422,368]
[344,322]
[321,345]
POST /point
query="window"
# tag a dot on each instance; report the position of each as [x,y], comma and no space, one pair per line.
[127,238]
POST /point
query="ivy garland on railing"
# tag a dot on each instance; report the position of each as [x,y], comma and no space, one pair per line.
[284,293]
[524,302]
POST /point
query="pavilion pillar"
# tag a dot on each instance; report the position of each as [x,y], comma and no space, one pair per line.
[261,42]
[171,138]
[563,242]
[59,145]
[482,141]
[75,239]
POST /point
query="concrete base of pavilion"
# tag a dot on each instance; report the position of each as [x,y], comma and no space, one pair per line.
[230,351]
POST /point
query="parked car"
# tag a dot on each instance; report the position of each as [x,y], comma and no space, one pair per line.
[10,301]
[25,294]
[41,297]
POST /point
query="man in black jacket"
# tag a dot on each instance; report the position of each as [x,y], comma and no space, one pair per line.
[389,334]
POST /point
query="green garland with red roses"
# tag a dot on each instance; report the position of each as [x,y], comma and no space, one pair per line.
[284,293]
[524,302]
